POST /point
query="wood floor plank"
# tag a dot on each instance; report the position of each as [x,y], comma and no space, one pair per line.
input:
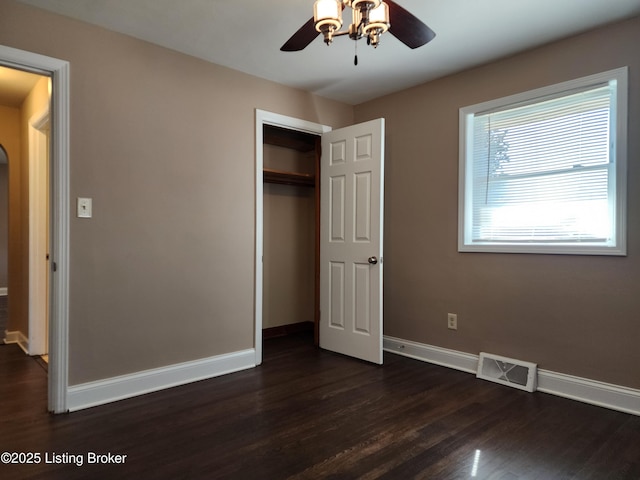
[309,414]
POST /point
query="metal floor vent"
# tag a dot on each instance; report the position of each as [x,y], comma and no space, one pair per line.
[507,371]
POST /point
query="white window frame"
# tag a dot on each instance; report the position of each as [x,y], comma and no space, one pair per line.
[618,246]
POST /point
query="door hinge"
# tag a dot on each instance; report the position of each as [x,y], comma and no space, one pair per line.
[54,266]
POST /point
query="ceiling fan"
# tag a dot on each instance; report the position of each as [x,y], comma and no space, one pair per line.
[370,19]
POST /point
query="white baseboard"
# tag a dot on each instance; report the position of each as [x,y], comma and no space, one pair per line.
[125,386]
[594,392]
[583,390]
[428,353]
[19,338]
[4,291]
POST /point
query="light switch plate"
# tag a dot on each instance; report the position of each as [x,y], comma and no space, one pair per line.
[85,208]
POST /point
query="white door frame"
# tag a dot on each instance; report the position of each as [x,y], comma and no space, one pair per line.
[274,119]
[58,70]
[38,235]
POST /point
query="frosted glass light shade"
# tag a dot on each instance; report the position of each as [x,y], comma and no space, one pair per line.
[327,14]
[378,18]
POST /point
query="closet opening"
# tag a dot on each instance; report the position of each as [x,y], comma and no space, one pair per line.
[291,252]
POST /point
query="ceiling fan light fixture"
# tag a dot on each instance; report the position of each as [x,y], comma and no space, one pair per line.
[378,20]
[327,15]
[369,19]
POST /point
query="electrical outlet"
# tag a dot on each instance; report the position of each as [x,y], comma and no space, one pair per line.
[452,321]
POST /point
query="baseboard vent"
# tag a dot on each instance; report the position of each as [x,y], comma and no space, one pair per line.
[507,371]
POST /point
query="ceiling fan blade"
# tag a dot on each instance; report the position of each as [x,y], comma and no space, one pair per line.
[407,28]
[303,37]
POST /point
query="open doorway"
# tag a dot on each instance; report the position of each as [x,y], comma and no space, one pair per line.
[24,219]
[48,128]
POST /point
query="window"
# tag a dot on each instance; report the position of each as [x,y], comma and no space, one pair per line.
[545,171]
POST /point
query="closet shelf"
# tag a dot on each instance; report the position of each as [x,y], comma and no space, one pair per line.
[289,178]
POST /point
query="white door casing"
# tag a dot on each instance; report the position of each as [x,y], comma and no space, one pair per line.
[351,229]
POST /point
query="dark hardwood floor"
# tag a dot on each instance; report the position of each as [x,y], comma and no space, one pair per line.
[310,414]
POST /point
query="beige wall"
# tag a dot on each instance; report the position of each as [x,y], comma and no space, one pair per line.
[574,314]
[164,144]
[10,137]
[289,242]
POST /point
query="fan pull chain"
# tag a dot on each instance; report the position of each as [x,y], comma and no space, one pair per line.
[355,58]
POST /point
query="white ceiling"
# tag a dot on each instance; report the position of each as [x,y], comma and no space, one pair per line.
[246,35]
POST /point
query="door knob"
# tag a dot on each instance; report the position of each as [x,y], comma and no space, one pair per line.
[373,260]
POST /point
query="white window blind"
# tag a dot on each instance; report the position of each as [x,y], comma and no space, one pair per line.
[542,171]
